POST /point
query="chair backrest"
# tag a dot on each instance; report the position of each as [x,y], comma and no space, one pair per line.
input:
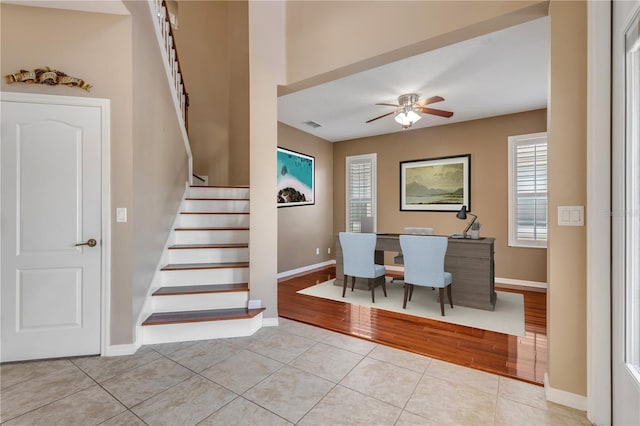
[424,259]
[358,253]
[418,231]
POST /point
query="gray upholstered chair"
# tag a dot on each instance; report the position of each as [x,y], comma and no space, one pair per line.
[358,251]
[398,259]
[424,265]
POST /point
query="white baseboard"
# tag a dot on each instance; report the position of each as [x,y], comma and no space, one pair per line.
[305,269]
[561,397]
[521,283]
[120,350]
[270,322]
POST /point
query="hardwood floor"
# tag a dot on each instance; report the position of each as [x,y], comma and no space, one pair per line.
[523,358]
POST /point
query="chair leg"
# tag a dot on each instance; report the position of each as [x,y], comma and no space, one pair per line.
[384,287]
[442,301]
[353,282]
[410,292]
[344,285]
[406,294]
[449,295]
[372,284]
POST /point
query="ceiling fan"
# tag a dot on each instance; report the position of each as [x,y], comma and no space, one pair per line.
[409,106]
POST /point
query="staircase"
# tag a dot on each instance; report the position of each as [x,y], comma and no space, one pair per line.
[204,288]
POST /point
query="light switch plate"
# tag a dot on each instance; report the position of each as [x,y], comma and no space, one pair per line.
[571,215]
[121,214]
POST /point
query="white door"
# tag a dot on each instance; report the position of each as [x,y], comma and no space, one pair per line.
[626,214]
[51,202]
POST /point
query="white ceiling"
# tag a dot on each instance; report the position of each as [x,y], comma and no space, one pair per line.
[495,74]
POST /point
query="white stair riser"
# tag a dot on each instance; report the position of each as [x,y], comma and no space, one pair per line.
[203,192]
[212,255]
[205,276]
[196,302]
[153,334]
[213,221]
[215,206]
[211,237]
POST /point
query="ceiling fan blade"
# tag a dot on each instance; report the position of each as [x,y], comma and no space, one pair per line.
[431,100]
[437,112]
[382,116]
[393,105]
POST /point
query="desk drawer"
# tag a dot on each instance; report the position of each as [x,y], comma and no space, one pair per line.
[470,249]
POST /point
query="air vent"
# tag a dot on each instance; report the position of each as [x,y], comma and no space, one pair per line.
[313,124]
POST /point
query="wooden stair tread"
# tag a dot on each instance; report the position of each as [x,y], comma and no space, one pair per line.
[212,229]
[163,318]
[187,266]
[207,246]
[201,289]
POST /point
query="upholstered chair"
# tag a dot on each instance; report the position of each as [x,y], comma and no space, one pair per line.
[358,251]
[424,265]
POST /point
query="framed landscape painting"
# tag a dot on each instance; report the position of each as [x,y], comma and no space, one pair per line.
[436,184]
[296,176]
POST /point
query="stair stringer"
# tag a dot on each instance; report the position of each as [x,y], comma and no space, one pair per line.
[147,306]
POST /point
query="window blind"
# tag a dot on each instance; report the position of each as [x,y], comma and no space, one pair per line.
[360,191]
[528,190]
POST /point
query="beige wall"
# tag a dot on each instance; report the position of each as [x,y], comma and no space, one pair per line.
[486,141]
[160,164]
[238,14]
[303,229]
[212,42]
[96,48]
[329,39]
[566,300]
[266,56]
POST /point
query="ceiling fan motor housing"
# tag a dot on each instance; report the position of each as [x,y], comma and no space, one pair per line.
[408,100]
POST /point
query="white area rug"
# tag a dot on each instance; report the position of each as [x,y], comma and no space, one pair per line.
[508,316]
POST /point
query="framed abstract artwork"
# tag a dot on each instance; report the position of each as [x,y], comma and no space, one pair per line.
[296,179]
[436,184]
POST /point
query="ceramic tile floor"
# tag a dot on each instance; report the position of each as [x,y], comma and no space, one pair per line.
[291,374]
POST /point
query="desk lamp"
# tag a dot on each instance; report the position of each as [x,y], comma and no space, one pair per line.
[462,215]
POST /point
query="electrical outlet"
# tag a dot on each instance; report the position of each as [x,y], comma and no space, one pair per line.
[328,250]
[318,250]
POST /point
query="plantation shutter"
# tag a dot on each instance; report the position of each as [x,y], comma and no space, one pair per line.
[360,193]
[528,190]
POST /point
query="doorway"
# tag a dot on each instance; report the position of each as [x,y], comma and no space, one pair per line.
[54,225]
[625,191]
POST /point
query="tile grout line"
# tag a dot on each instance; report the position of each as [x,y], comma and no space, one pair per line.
[110,394]
[230,390]
[50,402]
[335,385]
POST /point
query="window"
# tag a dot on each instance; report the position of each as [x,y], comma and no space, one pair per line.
[528,190]
[361,193]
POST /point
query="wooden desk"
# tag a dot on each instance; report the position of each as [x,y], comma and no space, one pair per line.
[469,261]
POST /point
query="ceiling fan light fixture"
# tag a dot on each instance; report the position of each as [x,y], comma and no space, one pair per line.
[406,118]
[408,109]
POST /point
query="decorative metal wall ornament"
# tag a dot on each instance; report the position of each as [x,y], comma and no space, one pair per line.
[47,76]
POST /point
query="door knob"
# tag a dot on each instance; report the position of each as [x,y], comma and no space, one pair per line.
[91,243]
